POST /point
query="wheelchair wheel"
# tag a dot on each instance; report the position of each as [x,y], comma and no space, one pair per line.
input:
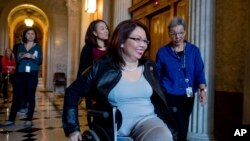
[90,135]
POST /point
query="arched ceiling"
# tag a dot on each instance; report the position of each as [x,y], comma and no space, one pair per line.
[16,20]
[19,13]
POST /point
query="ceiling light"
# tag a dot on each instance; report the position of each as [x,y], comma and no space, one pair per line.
[90,6]
[28,22]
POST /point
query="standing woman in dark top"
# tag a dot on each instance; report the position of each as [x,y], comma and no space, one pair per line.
[29,59]
[95,44]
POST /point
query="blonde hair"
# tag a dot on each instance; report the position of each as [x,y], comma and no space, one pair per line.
[12,56]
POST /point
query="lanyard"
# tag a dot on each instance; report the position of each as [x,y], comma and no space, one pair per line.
[184,63]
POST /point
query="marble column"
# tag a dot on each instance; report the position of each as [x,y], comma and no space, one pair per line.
[73,38]
[106,11]
[121,11]
[201,33]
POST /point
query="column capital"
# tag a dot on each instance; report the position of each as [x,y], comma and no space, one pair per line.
[73,7]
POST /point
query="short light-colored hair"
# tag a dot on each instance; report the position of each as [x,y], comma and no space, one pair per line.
[177,21]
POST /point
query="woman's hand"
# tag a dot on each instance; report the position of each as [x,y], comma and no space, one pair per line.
[203,98]
[10,68]
[25,55]
[75,136]
[21,55]
[28,55]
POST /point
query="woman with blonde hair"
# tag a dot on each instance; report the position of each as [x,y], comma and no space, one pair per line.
[8,71]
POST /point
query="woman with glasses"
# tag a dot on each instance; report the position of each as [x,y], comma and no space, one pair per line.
[124,79]
[181,71]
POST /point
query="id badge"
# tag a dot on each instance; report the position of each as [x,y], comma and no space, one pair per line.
[27,69]
[189,92]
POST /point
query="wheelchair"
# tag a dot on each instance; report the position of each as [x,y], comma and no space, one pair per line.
[104,122]
[103,125]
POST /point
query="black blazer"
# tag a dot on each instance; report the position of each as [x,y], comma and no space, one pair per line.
[86,58]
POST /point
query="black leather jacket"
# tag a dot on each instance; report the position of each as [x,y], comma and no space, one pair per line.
[99,81]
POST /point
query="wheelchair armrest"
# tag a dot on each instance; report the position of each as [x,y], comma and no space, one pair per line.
[95,113]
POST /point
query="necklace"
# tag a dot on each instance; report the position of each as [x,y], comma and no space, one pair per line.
[132,66]
[130,69]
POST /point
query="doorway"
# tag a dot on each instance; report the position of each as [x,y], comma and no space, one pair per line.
[16,25]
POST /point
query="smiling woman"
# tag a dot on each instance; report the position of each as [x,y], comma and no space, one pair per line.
[145,114]
[96,39]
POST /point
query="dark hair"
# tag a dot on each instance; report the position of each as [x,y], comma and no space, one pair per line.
[24,35]
[120,35]
[177,21]
[90,37]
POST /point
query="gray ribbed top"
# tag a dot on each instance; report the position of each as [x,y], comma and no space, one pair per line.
[133,100]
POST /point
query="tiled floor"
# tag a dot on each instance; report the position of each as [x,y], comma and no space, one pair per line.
[47,121]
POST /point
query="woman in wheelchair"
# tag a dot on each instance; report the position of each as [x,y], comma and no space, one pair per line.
[123,79]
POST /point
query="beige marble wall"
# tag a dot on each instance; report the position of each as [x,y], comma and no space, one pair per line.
[230,45]
[59,55]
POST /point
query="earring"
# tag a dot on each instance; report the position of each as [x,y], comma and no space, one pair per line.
[122,45]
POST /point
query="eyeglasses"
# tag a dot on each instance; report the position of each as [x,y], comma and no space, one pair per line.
[180,34]
[139,40]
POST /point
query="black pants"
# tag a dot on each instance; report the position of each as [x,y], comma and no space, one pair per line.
[26,84]
[184,107]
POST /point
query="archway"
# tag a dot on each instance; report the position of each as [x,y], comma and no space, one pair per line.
[16,26]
